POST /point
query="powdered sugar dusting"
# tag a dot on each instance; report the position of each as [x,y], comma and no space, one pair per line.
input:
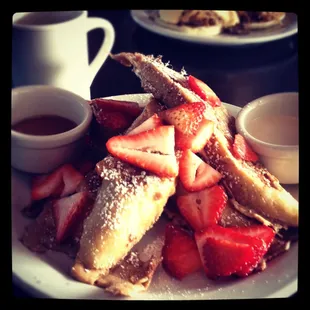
[123,186]
[122,181]
[152,249]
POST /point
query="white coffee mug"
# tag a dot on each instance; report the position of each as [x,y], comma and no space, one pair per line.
[51,48]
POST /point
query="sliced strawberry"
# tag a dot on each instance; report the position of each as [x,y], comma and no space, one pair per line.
[192,129]
[195,174]
[223,257]
[152,150]
[264,234]
[152,122]
[161,165]
[225,251]
[196,142]
[46,185]
[65,211]
[52,184]
[157,140]
[71,178]
[115,114]
[57,192]
[185,117]
[242,150]
[127,107]
[113,120]
[61,182]
[180,253]
[203,91]
[203,208]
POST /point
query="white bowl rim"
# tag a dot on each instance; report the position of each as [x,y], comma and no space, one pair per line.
[240,120]
[55,140]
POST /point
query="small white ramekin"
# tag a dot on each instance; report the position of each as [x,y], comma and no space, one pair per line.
[42,154]
[281,160]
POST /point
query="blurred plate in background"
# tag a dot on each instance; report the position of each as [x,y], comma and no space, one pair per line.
[288,28]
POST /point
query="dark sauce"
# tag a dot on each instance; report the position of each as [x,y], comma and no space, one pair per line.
[44,125]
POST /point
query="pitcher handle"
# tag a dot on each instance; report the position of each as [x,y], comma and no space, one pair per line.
[105,48]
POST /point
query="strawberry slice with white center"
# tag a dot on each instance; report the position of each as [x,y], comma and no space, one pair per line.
[195,174]
[152,150]
[71,179]
[66,210]
[203,208]
[192,129]
[152,122]
[61,182]
[180,253]
[242,150]
[203,91]
[224,251]
[44,186]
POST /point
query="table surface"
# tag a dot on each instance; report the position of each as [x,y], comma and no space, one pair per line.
[237,74]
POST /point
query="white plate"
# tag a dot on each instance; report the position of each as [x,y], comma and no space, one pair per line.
[47,275]
[288,28]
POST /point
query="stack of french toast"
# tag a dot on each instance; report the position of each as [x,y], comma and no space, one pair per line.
[178,158]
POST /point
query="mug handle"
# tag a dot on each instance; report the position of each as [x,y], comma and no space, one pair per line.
[105,48]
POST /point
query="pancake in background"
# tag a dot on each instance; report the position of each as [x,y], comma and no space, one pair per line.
[255,20]
[197,22]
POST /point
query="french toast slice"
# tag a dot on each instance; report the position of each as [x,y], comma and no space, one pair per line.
[251,185]
[129,202]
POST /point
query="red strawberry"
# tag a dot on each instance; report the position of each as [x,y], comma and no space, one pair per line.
[195,174]
[159,140]
[152,150]
[115,114]
[66,211]
[152,122]
[265,234]
[45,186]
[262,232]
[224,257]
[128,107]
[185,117]
[192,129]
[195,142]
[71,178]
[180,252]
[203,91]
[61,182]
[203,208]
[113,120]
[225,251]
[241,149]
